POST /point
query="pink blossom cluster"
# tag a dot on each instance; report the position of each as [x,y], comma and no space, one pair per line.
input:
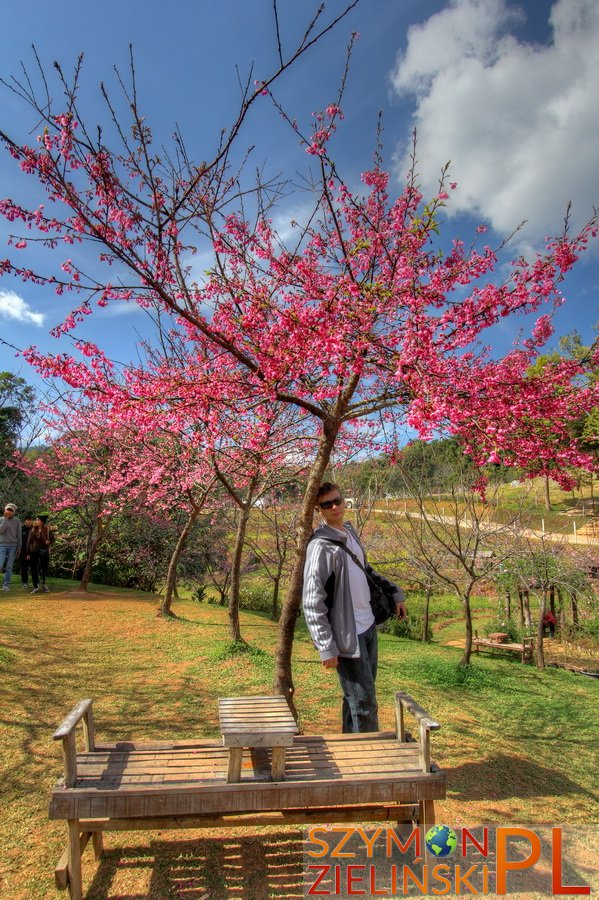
[365,319]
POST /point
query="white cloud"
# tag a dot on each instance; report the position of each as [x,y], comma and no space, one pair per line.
[518,121]
[14,307]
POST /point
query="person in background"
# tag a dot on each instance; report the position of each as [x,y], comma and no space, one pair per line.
[26,528]
[38,549]
[549,623]
[336,602]
[11,536]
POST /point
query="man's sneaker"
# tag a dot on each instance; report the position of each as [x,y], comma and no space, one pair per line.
[24,585]
[45,589]
[5,587]
[35,591]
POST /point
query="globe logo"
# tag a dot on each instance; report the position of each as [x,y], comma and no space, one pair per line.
[441,840]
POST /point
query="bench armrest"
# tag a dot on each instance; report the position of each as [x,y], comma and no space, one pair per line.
[66,733]
[426,724]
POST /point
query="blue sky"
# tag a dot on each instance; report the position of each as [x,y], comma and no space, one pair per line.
[506,91]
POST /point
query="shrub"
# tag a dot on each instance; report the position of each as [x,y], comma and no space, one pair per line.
[199,594]
[256,598]
[410,628]
[510,627]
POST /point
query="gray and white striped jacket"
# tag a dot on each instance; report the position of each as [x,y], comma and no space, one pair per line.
[326,598]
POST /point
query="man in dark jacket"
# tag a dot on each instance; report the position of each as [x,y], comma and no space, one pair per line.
[26,528]
[336,602]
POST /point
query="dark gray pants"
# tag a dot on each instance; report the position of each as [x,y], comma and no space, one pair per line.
[357,677]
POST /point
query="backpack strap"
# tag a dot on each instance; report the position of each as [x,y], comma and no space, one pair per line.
[350,553]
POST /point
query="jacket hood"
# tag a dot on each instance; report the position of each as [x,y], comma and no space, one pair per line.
[330,533]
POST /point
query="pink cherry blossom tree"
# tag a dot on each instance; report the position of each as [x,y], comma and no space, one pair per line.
[76,470]
[362,323]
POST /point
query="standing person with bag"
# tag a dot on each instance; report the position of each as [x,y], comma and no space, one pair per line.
[337,607]
[38,549]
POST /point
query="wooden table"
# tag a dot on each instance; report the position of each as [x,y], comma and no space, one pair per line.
[499,637]
[256,722]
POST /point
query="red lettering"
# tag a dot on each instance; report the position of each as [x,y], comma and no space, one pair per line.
[393,838]
[373,890]
[468,837]
[556,868]
[324,870]
[358,880]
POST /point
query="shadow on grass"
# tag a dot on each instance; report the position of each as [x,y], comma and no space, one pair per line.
[254,867]
[502,777]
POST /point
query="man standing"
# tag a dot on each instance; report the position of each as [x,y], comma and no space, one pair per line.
[10,541]
[336,601]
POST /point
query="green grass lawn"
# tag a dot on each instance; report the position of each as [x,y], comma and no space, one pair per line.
[519,745]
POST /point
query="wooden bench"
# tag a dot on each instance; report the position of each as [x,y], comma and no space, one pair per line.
[132,785]
[525,649]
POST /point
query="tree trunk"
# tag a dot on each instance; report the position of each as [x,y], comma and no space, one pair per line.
[561,610]
[234,626]
[574,609]
[508,605]
[274,612]
[552,599]
[546,493]
[521,605]
[425,615]
[171,576]
[540,635]
[283,681]
[526,605]
[465,661]
[93,542]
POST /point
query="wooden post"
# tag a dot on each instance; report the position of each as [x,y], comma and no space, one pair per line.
[426,819]
[277,765]
[75,880]
[234,770]
[400,728]
[69,751]
[425,748]
[89,732]
[98,844]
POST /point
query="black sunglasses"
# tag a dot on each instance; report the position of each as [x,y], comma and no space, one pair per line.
[329,504]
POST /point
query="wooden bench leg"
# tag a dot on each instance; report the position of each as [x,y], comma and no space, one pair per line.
[426,813]
[98,843]
[74,865]
[234,771]
[277,764]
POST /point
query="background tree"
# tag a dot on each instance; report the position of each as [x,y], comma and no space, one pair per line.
[271,540]
[21,427]
[455,540]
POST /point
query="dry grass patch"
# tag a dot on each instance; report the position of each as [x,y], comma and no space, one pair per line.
[518,744]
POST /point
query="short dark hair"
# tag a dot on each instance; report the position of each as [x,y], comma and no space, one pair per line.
[325,488]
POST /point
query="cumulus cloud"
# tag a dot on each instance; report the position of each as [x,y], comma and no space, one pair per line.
[517,120]
[14,307]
